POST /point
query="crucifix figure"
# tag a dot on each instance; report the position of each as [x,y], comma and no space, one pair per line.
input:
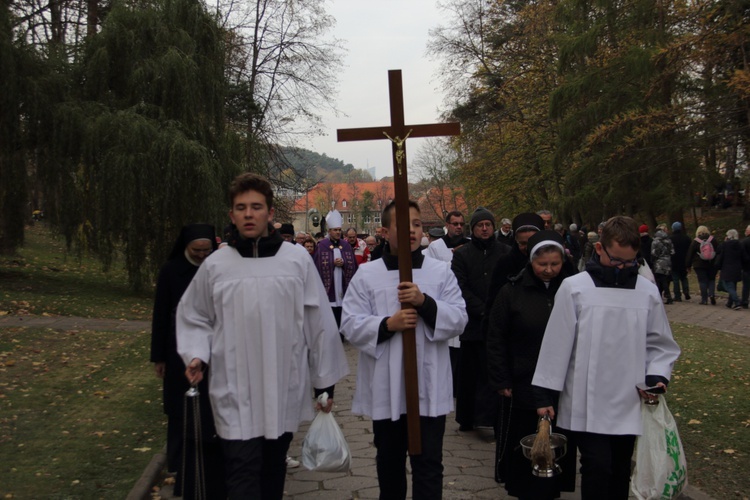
[397,133]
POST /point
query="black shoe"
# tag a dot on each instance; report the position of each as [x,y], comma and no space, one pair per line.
[737,308]
[678,299]
[713,301]
[744,306]
[465,428]
[670,301]
[728,305]
[687,296]
[703,302]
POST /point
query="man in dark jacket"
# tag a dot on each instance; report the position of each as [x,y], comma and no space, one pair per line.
[681,243]
[476,403]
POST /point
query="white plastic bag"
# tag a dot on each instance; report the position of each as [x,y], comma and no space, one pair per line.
[660,468]
[324,448]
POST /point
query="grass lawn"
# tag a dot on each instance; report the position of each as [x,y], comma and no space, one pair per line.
[709,396]
[43,279]
[80,413]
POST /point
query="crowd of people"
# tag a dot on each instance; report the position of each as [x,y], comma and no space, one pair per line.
[513,321]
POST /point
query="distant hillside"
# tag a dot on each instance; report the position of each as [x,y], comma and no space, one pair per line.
[302,159]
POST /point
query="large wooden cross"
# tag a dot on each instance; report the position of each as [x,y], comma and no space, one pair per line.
[397,133]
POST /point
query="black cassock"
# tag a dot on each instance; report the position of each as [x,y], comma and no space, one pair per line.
[174,278]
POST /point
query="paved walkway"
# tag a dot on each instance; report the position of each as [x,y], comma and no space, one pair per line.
[468,456]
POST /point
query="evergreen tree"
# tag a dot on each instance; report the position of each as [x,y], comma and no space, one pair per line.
[140,148]
[12,172]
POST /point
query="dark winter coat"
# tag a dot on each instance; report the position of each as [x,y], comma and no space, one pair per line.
[693,258]
[745,244]
[516,328]
[646,242]
[729,261]
[473,265]
[681,243]
[507,239]
[174,278]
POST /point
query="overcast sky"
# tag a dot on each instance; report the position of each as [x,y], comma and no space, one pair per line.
[381,35]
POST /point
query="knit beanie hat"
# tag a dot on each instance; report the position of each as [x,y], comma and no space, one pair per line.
[643,229]
[481,214]
[676,226]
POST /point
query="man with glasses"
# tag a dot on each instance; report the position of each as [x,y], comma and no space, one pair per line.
[473,264]
[443,248]
[607,332]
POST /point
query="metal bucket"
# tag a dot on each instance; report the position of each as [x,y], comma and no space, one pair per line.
[559,445]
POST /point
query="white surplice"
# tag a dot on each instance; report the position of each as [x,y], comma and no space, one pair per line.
[265,328]
[438,250]
[599,343]
[372,295]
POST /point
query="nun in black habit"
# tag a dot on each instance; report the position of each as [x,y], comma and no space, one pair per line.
[193,246]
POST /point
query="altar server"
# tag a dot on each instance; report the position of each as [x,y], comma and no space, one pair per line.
[372,321]
[257,317]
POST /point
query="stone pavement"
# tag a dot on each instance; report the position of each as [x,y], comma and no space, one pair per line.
[468,456]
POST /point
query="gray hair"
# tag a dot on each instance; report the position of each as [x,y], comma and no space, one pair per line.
[733,235]
[507,221]
[573,228]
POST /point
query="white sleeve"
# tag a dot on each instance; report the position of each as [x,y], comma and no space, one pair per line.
[195,319]
[326,354]
[661,349]
[359,324]
[557,345]
[451,310]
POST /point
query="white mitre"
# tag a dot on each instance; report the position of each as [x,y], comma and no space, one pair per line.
[333,219]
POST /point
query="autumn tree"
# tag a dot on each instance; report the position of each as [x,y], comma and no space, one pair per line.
[436,164]
[281,70]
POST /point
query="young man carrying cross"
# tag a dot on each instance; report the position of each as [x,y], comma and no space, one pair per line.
[372,320]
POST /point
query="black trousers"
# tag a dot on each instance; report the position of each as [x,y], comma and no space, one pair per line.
[337,316]
[662,282]
[476,401]
[391,442]
[256,468]
[454,352]
[605,465]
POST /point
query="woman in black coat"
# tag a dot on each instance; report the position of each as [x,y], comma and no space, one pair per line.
[516,328]
[729,263]
[705,269]
[194,244]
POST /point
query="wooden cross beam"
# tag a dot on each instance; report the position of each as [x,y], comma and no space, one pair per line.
[397,133]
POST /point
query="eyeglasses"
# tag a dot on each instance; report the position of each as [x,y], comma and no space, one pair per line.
[620,262]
